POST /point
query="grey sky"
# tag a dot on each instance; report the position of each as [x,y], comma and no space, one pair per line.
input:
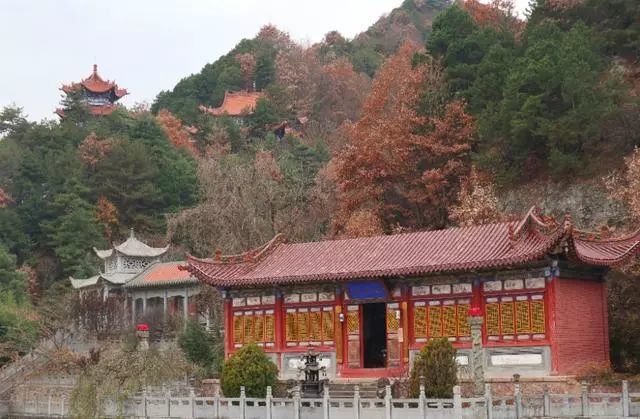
[147,45]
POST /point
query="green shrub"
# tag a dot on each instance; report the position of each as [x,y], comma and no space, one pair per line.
[249,367]
[436,362]
[200,347]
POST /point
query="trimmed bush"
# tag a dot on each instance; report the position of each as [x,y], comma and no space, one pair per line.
[249,367]
[436,362]
[201,347]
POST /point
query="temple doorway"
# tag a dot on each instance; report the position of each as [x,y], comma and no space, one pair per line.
[374,335]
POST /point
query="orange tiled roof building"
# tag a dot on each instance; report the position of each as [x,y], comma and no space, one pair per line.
[236,104]
[99,94]
[368,305]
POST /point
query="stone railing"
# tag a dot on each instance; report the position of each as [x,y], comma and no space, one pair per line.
[590,405]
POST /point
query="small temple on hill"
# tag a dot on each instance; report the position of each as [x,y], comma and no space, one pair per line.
[139,274]
[100,95]
[235,104]
[368,305]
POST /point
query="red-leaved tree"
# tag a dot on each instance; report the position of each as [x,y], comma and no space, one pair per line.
[402,168]
[178,135]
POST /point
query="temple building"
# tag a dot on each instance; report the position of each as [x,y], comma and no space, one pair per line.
[149,285]
[100,95]
[235,104]
[369,304]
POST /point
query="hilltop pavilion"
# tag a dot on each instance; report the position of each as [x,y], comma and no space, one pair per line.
[99,94]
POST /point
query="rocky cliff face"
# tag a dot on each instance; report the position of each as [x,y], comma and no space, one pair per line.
[586,201]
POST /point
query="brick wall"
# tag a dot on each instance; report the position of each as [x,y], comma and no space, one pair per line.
[581,335]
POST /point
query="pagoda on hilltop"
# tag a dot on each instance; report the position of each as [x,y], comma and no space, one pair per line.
[98,94]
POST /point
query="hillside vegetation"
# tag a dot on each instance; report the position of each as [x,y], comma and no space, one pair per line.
[437,115]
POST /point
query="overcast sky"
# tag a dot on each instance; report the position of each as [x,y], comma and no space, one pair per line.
[147,45]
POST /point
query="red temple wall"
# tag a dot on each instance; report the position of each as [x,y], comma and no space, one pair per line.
[580,335]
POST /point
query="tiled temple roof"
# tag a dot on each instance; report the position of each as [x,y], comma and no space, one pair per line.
[235,104]
[95,84]
[489,246]
[162,275]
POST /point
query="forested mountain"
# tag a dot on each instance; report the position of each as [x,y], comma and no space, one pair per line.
[439,114]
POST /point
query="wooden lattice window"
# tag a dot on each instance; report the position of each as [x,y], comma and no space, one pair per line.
[463,320]
[304,326]
[269,327]
[291,331]
[353,322]
[537,316]
[518,315]
[449,320]
[258,325]
[420,321]
[523,318]
[393,324]
[328,326]
[248,329]
[493,319]
[238,328]
[315,331]
[435,321]
[254,326]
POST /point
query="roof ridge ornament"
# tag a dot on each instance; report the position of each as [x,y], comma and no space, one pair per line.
[132,235]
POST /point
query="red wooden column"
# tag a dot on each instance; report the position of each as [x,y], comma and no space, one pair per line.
[404,316]
[550,314]
[279,320]
[228,326]
[339,330]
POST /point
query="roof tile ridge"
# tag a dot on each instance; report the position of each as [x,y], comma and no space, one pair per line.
[600,237]
[249,256]
[535,218]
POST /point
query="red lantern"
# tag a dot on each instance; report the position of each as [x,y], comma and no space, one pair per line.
[142,327]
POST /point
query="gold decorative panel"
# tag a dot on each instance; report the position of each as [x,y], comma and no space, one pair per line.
[449,320]
[353,323]
[463,320]
[269,328]
[259,328]
[303,326]
[435,321]
[420,322]
[248,329]
[237,329]
[392,321]
[290,327]
[327,325]
[315,331]
[523,320]
[537,316]
[507,318]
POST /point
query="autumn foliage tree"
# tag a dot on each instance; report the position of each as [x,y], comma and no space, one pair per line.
[402,167]
[496,14]
[93,149]
[477,201]
[247,63]
[178,134]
